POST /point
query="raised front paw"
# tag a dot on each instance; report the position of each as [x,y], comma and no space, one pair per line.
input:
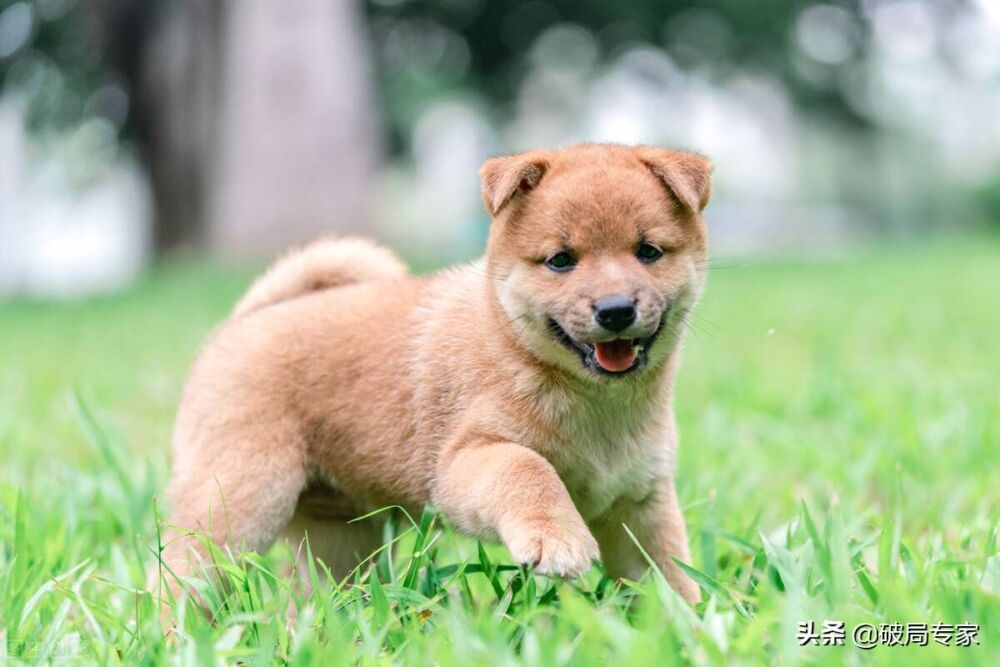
[561,548]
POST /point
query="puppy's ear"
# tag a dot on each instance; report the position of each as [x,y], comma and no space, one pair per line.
[505,177]
[687,175]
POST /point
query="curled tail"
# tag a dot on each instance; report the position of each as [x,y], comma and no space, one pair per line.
[318,266]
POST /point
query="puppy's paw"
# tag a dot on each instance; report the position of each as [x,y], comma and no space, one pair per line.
[683,584]
[558,548]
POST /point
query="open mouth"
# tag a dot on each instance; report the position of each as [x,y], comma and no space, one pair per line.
[614,357]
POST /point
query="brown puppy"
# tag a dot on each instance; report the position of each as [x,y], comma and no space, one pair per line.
[528,394]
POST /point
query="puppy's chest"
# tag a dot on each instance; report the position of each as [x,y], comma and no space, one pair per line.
[604,458]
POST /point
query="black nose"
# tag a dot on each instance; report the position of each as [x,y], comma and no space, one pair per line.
[615,313]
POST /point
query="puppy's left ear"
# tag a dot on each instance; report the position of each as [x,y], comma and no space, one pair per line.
[687,175]
[504,178]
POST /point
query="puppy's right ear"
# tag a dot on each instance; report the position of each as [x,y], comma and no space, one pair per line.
[504,178]
[687,175]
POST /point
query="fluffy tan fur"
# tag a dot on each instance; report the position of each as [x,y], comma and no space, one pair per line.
[341,385]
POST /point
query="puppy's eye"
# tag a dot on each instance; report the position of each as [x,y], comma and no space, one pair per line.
[561,261]
[648,253]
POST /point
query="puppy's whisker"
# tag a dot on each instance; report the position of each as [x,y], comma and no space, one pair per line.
[694,326]
[704,322]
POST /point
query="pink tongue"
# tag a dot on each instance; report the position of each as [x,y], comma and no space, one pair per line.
[615,356]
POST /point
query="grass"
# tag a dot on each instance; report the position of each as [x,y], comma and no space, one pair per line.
[840,430]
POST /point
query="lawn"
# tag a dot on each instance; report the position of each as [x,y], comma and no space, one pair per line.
[840,437]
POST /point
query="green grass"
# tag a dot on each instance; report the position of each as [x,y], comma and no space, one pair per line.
[840,435]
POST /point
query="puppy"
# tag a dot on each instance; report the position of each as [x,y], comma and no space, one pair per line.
[527,394]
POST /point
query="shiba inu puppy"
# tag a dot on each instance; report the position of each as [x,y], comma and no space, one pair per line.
[527,394]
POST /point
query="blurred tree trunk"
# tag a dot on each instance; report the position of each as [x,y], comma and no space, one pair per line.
[297,132]
[174,89]
[256,119]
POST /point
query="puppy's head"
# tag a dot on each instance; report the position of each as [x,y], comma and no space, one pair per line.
[597,252]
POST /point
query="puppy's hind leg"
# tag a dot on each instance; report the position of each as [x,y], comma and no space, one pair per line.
[240,497]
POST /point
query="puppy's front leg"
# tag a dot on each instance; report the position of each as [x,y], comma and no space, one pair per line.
[658,525]
[504,489]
